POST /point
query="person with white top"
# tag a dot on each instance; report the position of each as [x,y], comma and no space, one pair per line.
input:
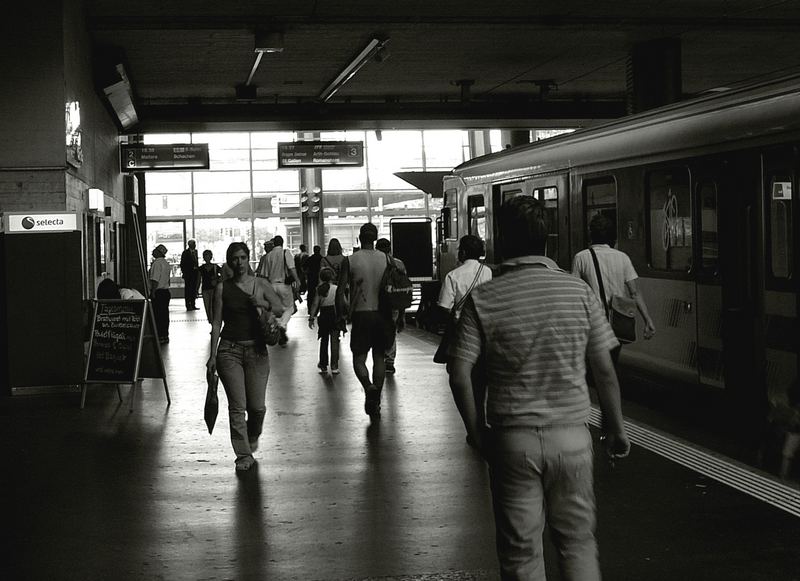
[616,269]
[277,268]
[159,291]
[323,310]
[458,281]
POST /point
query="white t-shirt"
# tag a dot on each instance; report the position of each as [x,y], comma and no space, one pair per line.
[457,282]
[615,267]
[159,272]
[277,269]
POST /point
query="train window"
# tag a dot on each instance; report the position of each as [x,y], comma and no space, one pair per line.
[599,197]
[549,197]
[476,208]
[450,213]
[780,225]
[670,219]
[709,234]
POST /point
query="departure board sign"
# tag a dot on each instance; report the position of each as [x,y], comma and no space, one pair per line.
[171,156]
[115,342]
[321,154]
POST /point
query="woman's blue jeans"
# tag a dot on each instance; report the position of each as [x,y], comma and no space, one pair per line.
[544,475]
[244,371]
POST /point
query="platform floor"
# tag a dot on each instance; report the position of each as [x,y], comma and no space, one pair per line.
[101,493]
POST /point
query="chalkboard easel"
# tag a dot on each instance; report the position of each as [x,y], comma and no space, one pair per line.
[123,347]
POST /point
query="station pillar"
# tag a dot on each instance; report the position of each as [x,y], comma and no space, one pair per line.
[479,143]
[311,207]
[654,74]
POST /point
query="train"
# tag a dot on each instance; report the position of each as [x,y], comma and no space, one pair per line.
[702,192]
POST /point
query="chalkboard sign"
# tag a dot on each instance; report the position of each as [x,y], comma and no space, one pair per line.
[115,341]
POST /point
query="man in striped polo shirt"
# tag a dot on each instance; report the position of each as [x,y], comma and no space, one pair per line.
[534,326]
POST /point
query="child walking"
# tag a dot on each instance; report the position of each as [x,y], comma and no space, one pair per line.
[324,305]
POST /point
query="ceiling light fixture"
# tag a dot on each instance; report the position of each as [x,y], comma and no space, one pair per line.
[370,50]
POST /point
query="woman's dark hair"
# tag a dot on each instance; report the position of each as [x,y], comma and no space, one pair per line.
[334,248]
[235,247]
[470,247]
[208,252]
[602,230]
[108,289]
[325,278]
[523,227]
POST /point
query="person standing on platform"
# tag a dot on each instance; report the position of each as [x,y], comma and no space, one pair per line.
[279,269]
[237,354]
[189,272]
[372,329]
[534,327]
[334,257]
[210,275]
[323,310]
[399,317]
[300,267]
[159,292]
[616,270]
[313,266]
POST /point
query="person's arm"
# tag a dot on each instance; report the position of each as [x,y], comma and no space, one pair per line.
[267,298]
[608,395]
[465,350]
[447,295]
[216,327]
[313,309]
[633,291]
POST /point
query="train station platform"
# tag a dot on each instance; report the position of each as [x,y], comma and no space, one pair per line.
[101,493]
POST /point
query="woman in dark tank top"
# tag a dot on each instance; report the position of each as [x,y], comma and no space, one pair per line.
[237,354]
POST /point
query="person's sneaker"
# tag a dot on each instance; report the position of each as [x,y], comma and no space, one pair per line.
[322,368]
[372,402]
[334,370]
[390,368]
[284,339]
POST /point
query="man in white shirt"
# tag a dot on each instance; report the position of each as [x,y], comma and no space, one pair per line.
[278,268]
[458,281]
[619,276]
[159,291]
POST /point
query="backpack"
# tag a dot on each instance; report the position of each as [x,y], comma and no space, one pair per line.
[395,288]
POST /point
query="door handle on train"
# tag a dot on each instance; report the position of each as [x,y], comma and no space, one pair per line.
[687,307]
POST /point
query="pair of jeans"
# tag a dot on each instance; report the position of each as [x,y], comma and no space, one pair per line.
[243,369]
[544,475]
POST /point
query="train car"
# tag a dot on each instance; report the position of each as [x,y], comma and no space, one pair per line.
[702,195]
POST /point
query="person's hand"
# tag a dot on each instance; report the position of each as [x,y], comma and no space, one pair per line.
[311,322]
[617,445]
[211,364]
[649,330]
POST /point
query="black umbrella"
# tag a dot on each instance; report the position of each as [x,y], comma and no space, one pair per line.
[212,402]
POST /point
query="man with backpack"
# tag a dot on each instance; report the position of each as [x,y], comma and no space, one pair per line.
[398,315]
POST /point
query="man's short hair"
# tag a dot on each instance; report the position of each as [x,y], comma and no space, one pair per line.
[383,245]
[471,246]
[523,227]
[602,230]
[278,240]
[317,248]
[368,233]
[302,248]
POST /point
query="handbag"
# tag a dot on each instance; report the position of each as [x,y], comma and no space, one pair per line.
[268,330]
[212,401]
[620,311]
[441,355]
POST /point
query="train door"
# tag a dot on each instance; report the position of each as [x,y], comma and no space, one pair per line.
[778,319]
[552,192]
[724,197]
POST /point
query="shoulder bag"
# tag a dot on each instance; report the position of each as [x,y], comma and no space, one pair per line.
[620,311]
[441,355]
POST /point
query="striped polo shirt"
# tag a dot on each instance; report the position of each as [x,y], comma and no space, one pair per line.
[535,324]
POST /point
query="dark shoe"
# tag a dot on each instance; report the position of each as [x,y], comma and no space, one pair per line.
[390,369]
[284,338]
[163,340]
[372,402]
[322,368]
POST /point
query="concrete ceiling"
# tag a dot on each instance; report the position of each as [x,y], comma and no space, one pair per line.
[185,58]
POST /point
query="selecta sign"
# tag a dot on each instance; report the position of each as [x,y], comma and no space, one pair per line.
[51,222]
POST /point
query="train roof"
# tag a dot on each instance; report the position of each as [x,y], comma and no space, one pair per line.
[751,115]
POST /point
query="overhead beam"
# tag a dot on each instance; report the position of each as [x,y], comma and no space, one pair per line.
[329,116]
